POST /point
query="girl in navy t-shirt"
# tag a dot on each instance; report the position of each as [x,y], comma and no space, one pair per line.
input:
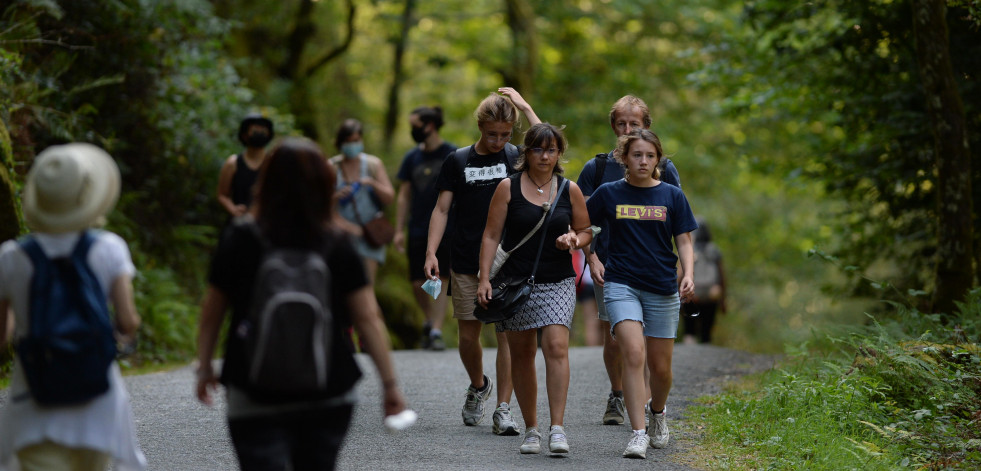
[641,287]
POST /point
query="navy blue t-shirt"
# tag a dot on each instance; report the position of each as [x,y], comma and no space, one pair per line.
[641,223]
[420,170]
[588,183]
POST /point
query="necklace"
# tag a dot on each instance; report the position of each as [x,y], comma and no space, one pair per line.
[539,189]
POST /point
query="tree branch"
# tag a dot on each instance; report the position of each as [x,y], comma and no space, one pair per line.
[337,51]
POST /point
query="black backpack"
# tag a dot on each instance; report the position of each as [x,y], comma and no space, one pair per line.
[290,327]
[69,345]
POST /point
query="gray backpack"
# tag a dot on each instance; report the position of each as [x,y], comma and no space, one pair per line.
[705,272]
[290,326]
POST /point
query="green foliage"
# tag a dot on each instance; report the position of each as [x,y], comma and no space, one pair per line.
[837,85]
[903,392]
[150,82]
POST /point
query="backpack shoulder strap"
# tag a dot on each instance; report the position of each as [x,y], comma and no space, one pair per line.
[461,156]
[601,161]
[511,152]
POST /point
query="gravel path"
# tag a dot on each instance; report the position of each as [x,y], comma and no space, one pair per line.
[179,434]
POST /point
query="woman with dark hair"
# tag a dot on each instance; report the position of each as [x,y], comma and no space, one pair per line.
[363,189]
[292,209]
[517,206]
[238,173]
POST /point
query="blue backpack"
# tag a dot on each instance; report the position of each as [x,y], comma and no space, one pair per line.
[69,344]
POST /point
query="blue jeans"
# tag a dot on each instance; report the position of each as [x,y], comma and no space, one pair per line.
[305,440]
[657,312]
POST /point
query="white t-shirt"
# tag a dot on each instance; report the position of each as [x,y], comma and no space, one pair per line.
[105,423]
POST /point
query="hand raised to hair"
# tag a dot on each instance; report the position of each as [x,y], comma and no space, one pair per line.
[516,98]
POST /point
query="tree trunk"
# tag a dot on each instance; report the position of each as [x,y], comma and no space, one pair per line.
[398,76]
[954,271]
[524,55]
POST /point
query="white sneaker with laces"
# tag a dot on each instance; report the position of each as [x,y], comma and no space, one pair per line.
[658,430]
[532,443]
[637,448]
[557,442]
[503,421]
[473,407]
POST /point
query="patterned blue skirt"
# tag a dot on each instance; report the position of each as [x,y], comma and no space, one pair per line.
[549,303]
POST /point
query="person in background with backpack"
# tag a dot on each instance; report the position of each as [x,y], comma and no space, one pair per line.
[710,286]
[300,425]
[629,113]
[363,189]
[80,420]
[466,183]
[238,173]
[415,202]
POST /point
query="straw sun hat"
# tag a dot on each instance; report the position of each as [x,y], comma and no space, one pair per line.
[69,188]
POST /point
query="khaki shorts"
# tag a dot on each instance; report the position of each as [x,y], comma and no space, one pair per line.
[464,295]
[48,456]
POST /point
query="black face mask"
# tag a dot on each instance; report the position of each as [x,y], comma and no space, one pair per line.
[257,139]
[419,134]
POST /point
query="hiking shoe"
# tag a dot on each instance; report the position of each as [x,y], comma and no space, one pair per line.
[473,407]
[532,443]
[557,442]
[614,410]
[436,343]
[427,340]
[659,428]
[503,422]
[637,448]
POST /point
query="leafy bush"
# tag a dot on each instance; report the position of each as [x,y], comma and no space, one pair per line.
[902,392]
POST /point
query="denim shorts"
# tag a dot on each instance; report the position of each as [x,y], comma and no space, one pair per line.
[657,312]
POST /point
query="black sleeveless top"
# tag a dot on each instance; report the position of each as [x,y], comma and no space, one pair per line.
[243,181]
[555,264]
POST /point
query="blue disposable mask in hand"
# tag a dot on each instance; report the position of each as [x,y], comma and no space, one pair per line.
[433,287]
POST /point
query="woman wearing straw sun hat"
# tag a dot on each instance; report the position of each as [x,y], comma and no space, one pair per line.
[69,190]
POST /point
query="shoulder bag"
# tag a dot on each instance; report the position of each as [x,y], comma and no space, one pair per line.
[510,293]
[378,232]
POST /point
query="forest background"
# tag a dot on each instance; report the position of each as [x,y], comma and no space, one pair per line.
[804,133]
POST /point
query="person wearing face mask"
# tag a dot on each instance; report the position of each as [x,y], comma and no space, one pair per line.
[363,189]
[238,173]
[414,205]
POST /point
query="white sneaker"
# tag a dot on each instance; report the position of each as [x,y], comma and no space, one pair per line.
[503,421]
[473,407]
[532,443]
[557,442]
[658,430]
[614,410]
[637,448]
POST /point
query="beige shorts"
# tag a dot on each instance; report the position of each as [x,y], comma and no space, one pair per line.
[48,456]
[464,295]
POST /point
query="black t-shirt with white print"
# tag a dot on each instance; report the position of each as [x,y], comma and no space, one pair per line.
[473,187]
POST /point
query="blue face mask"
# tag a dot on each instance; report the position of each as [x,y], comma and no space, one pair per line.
[352,149]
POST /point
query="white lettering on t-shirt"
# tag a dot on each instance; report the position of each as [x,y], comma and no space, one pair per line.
[494,172]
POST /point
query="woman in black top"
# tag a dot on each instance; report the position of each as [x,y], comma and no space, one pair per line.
[517,206]
[292,210]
